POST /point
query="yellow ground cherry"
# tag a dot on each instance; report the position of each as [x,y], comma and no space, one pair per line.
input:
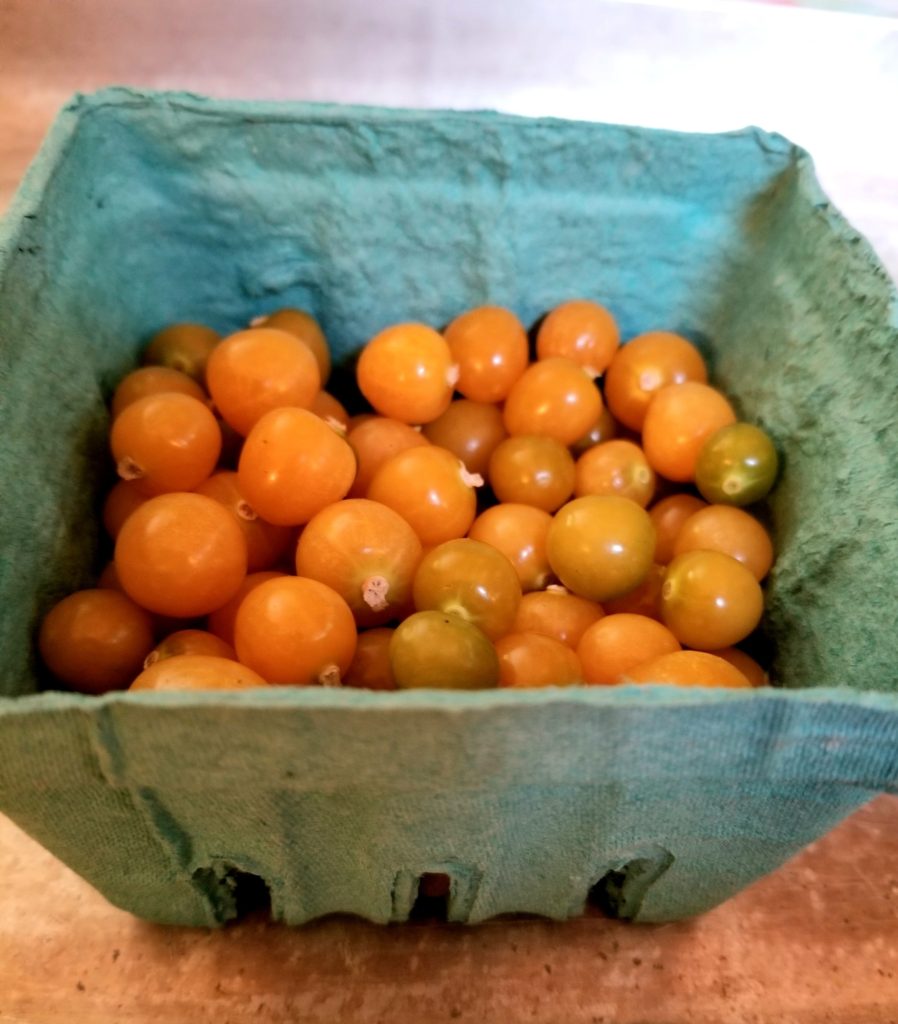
[580,330]
[293,465]
[370,668]
[197,672]
[295,631]
[304,326]
[181,554]
[470,430]
[252,372]
[601,547]
[668,516]
[680,418]
[153,380]
[554,397]
[645,364]
[185,347]
[617,643]
[557,613]
[489,346]
[615,467]
[519,532]
[644,600]
[688,668]
[731,530]
[407,373]
[710,600]
[532,470]
[530,660]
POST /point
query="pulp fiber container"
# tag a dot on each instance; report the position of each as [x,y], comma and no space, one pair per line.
[142,209]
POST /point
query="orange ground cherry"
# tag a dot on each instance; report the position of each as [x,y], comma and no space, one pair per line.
[731,530]
[556,398]
[489,346]
[688,668]
[580,330]
[530,660]
[679,419]
[519,532]
[617,643]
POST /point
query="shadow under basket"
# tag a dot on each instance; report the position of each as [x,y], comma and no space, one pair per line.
[654,803]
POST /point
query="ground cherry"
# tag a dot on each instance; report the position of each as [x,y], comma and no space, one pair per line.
[221,621]
[668,516]
[293,465]
[153,380]
[181,554]
[617,643]
[489,346]
[470,430]
[532,470]
[266,543]
[747,665]
[529,660]
[680,418]
[331,411]
[295,631]
[645,364]
[436,650]
[687,668]
[730,530]
[407,373]
[432,491]
[580,330]
[615,467]
[472,580]
[519,532]
[370,668]
[190,641]
[185,347]
[601,547]
[374,440]
[710,600]
[557,613]
[167,442]
[95,640]
[252,372]
[124,497]
[604,429]
[364,551]
[197,672]
[304,326]
[737,465]
[555,398]
[644,599]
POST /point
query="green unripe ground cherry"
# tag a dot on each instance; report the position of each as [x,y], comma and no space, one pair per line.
[737,465]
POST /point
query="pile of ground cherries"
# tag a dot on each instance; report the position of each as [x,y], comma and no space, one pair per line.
[513,509]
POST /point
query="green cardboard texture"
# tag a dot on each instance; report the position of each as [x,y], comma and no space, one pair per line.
[142,209]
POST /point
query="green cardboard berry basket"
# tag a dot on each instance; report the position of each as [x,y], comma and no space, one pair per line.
[144,208]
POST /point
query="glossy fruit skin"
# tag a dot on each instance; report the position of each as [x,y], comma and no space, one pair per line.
[604,429]
[364,551]
[489,346]
[668,516]
[95,640]
[435,650]
[221,621]
[153,380]
[553,398]
[304,326]
[645,364]
[370,668]
[688,668]
[558,614]
[471,580]
[167,442]
[406,372]
[615,467]
[520,533]
[253,372]
[532,470]
[266,544]
[197,672]
[710,600]
[644,599]
[332,411]
[737,465]
[185,347]
[374,441]
[295,631]
[427,487]
[531,660]
[680,418]
[618,643]
[181,555]
[732,531]
[471,431]
[601,547]
[580,330]
[192,642]
[123,498]
[747,665]
[293,465]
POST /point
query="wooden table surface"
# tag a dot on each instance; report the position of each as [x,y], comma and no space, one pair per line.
[817,941]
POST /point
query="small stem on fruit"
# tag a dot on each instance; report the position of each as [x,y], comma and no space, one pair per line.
[452,375]
[150,659]
[257,321]
[336,425]
[470,479]
[246,511]
[330,676]
[556,588]
[374,592]
[128,469]
[592,372]
[731,485]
